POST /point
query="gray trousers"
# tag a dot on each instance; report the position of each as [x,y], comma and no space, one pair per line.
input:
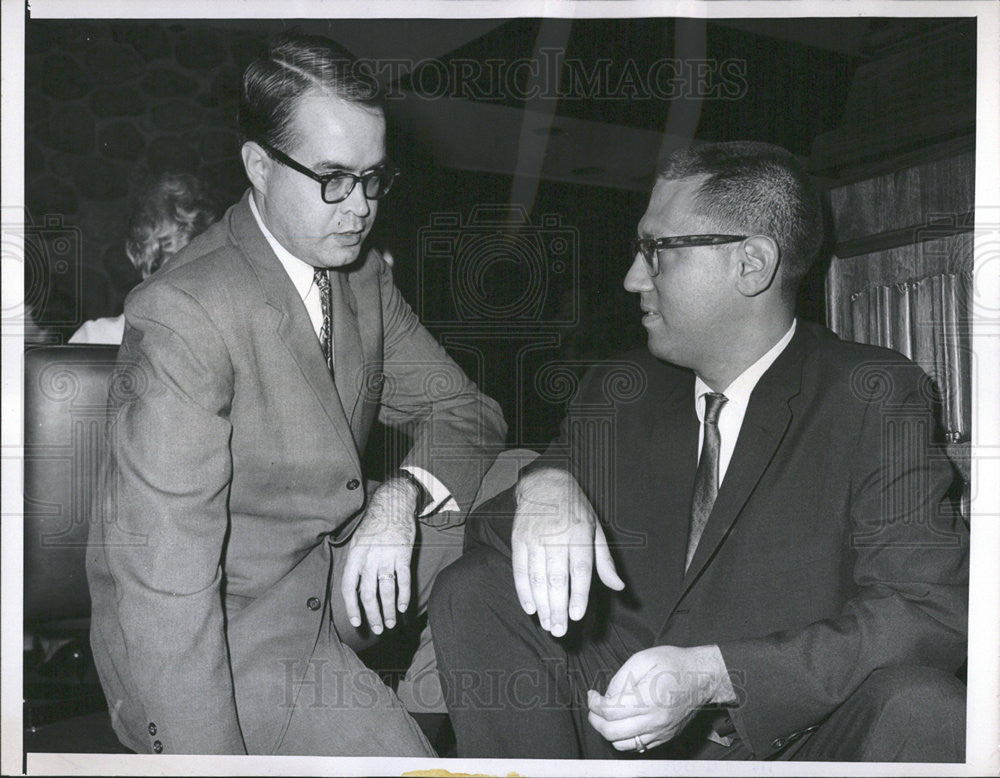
[341,706]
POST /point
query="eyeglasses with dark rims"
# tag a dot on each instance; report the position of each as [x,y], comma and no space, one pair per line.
[650,247]
[338,185]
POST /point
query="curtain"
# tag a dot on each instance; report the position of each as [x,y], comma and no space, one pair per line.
[928,321]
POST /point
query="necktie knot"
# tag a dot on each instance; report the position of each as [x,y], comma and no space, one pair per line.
[713,406]
[322,281]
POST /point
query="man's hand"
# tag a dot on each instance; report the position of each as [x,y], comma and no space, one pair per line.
[555,544]
[656,692]
[378,556]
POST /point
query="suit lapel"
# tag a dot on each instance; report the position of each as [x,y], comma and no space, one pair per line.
[674,447]
[293,325]
[764,425]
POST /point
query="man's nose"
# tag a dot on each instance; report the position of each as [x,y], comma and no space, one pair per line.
[356,202]
[637,278]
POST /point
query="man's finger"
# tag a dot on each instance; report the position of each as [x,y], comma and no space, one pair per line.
[631,744]
[349,590]
[613,708]
[631,678]
[387,597]
[370,601]
[539,585]
[604,563]
[519,561]
[620,729]
[557,587]
[403,585]
[581,565]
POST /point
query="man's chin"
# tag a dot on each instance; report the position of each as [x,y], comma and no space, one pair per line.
[659,348]
[342,257]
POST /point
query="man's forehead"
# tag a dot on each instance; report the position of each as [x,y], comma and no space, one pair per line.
[672,201]
[325,122]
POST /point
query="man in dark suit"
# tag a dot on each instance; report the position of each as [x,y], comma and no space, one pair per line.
[785,571]
[239,532]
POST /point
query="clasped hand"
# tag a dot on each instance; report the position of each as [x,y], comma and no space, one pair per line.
[656,692]
[556,543]
[377,568]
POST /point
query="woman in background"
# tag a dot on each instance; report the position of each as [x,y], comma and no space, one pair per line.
[170,212]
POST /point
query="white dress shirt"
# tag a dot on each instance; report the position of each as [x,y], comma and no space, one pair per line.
[302,277]
[301,273]
[738,397]
[110,331]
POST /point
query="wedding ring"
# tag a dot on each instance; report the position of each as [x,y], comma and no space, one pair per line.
[387,577]
[640,747]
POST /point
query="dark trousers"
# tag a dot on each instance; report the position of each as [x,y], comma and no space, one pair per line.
[514,691]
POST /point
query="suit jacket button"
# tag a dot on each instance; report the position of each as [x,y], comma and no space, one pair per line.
[353,484]
[777,743]
[157,746]
[313,603]
[151,729]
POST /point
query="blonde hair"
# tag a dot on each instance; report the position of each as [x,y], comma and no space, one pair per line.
[170,211]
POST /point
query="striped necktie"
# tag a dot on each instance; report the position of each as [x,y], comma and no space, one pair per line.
[322,280]
[706,480]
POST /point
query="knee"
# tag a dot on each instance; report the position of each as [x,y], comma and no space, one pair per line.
[924,701]
[460,588]
[449,586]
[912,688]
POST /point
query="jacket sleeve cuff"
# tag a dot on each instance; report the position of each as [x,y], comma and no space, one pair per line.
[438,496]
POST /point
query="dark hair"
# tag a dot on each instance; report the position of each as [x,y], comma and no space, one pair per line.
[170,211]
[756,189]
[294,64]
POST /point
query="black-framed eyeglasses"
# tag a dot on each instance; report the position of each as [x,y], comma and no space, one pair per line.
[650,247]
[338,185]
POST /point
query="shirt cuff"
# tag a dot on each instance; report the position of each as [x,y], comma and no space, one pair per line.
[737,727]
[441,499]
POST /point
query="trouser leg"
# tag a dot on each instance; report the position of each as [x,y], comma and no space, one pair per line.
[420,689]
[333,704]
[435,548]
[512,689]
[343,708]
[902,713]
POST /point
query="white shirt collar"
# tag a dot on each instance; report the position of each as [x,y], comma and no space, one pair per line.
[301,273]
[739,390]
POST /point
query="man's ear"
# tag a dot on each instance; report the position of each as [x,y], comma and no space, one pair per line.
[257,164]
[757,265]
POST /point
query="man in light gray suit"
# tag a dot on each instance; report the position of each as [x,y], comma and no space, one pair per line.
[240,544]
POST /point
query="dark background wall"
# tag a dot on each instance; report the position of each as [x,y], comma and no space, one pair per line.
[107,105]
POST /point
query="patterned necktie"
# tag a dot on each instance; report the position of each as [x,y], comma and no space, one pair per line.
[706,480]
[322,280]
